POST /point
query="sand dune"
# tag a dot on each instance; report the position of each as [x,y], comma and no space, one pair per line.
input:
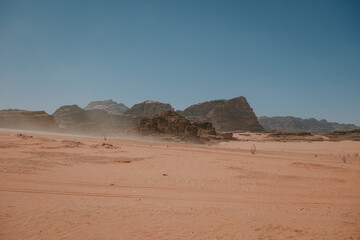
[73,187]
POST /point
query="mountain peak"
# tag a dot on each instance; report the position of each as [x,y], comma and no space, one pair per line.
[109,106]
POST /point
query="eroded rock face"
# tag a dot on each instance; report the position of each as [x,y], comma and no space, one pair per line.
[172,123]
[145,109]
[75,119]
[225,115]
[109,106]
[31,120]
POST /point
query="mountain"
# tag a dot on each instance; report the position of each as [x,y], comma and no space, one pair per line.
[105,117]
[31,120]
[225,115]
[145,109]
[294,124]
[72,118]
[109,106]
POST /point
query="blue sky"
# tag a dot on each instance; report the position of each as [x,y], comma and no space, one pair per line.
[298,58]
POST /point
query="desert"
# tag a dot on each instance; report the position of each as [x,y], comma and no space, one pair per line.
[179,120]
[58,186]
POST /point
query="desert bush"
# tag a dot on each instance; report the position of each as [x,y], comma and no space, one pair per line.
[253,149]
[343,158]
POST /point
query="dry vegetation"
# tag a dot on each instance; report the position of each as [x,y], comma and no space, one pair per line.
[253,149]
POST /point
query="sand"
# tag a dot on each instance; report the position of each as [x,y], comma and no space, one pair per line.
[72,187]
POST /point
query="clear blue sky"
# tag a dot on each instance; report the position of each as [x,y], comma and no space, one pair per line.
[299,58]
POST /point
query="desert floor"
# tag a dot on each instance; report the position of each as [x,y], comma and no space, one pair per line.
[71,187]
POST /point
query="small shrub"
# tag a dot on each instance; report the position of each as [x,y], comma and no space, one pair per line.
[343,158]
[253,149]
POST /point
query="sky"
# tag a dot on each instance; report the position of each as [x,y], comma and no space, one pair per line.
[288,58]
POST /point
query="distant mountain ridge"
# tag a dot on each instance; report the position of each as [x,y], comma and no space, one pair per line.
[225,115]
[295,124]
[110,117]
[109,106]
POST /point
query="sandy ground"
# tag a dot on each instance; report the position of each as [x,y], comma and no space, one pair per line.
[68,187]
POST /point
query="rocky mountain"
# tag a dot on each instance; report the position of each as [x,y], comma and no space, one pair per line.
[225,115]
[31,120]
[75,119]
[109,106]
[145,109]
[293,124]
[72,118]
[102,117]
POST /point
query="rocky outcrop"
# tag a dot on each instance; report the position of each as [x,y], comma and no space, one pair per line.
[171,123]
[72,118]
[353,135]
[109,106]
[293,124]
[225,115]
[31,120]
[294,136]
[145,109]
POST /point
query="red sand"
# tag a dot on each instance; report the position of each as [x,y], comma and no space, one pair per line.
[53,187]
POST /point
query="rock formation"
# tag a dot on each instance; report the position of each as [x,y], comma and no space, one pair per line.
[294,136]
[353,135]
[293,124]
[225,115]
[31,120]
[104,117]
[173,124]
[75,119]
[145,109]
[109,106]
[72,118]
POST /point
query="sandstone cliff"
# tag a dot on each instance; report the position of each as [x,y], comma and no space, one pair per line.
[31,120]
[225,115]
[109,106]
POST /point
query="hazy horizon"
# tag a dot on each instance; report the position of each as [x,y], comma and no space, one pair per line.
[288,58]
